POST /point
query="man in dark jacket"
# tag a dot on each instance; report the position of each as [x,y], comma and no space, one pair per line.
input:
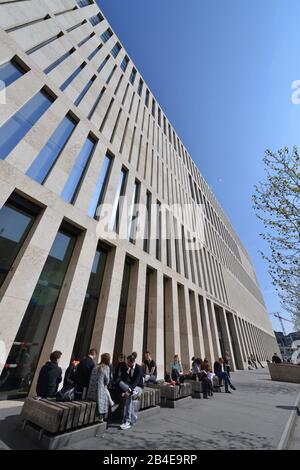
[50,377]
[276,359]
[132,392]
[83,373]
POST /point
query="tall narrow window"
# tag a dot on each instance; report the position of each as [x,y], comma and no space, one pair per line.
[158,230]
[106,35]
[95,52]
[132,76]
[159,116]
[95,105]
[134,212]
[96,19]
[153,107]
[42,165]
[147,97]
[59,61]
[10,72]
[16,220]
[103,63]
[89,310]
[13,130]
[84,91]
[140,87]
[86,39]
[147,232]
[117,208]
[79,170]
[119,339]
[72,77]
[100,187]
[124,63]
[84,3]
[168,240]
[23,357]
[116,49]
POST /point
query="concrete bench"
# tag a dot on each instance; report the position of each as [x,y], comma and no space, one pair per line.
[173,396]
[285,372]
[54,424]
[197,388]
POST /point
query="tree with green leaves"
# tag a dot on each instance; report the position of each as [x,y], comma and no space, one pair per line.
[276,202]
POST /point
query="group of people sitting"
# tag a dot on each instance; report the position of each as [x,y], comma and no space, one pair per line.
[202,371]
[84,380]
[253,361]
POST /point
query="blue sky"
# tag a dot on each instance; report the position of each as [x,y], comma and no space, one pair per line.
[222,72]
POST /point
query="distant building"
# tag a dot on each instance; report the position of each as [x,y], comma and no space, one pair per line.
[288,345]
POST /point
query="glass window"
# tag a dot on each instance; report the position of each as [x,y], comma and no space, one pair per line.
[140,88]
[94,20]
[31,335]
[158,229]
[100,187]
[115,50]
[86,39]
[72,77]
[116,211]
[153,107]
[13,130]
[120,330]
[103,63]
[47,157]
[95,105]
[10,72]
[147,97]
[16,219]
[106,35]
[95,52]
[89,310]
[57,62]
[124,63]
[134,212]
[84,91]
[84,3]
[79,169]
[159,117]
[132,76]
[146,246]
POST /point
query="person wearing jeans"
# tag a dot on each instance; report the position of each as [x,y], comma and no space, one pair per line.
[218,366]
[132,391]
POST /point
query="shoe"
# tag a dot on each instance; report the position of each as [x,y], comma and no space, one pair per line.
[114,407]
[99,419]
[205,396]
[228,391]
[233,387]
[126,425]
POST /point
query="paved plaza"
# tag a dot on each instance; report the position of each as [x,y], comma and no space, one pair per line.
[252,417]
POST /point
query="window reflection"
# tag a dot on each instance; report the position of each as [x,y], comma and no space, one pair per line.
[23,358]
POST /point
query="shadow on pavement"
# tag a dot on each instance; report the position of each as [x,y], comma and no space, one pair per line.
[12,438]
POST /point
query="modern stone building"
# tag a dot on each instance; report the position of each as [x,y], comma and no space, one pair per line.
[80,128]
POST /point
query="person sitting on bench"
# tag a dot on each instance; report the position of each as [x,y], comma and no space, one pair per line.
[218,370]
[177,370]
[202,376]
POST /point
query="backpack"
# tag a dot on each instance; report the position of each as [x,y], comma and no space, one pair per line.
[65,394]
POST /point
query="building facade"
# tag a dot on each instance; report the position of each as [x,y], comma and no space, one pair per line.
[80,131]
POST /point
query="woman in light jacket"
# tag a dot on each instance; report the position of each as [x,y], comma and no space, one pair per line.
[98,390]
